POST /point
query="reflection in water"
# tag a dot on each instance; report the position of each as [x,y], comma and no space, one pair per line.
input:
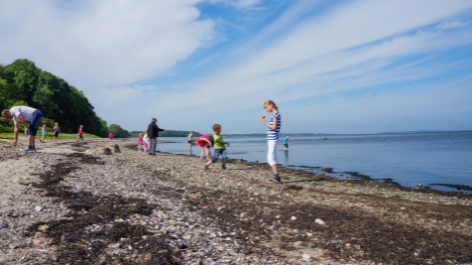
[287,162]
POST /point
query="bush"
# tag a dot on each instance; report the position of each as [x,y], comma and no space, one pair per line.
[6,129]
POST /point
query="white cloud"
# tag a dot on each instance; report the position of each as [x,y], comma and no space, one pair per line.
[107,42]
[107,47]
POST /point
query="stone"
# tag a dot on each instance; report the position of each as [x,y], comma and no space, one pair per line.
[402,208]
[4,225]
[37,242]
[311,244]
[297,244]
[348,245]
[43,228]
[307,257]
[320,222]
[115,148]
[419,186]
[293,218]
[243,215]
[182,245]
[39,208]
[99,151]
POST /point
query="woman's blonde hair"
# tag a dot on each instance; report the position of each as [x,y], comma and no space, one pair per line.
[145,131]
[140,135]
[270,102]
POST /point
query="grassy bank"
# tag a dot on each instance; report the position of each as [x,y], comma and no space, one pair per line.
[50,135]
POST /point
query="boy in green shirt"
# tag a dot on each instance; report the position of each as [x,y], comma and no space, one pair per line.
[220,148]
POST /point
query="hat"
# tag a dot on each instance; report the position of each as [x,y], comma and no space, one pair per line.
[154,119]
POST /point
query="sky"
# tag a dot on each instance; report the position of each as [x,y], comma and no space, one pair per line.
[354,66]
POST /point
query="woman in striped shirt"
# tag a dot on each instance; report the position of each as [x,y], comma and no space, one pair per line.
[273,130]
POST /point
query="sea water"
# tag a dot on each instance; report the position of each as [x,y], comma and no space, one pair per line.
[408,159]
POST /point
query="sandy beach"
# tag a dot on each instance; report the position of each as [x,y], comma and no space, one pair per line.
[68,204]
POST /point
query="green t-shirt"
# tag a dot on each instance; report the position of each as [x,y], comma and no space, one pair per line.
[218,141]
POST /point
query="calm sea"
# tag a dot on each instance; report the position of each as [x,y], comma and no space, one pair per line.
[407,159]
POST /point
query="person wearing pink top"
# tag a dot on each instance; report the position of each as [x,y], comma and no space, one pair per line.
[110,137]
[140,142]
[205,142]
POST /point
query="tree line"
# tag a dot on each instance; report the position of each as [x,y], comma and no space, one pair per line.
[22,83]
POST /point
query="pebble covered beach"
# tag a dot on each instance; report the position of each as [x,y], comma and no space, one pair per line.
[96,203]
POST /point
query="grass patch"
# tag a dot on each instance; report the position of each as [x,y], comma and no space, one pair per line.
[4,142]
[50,136]
[4,136]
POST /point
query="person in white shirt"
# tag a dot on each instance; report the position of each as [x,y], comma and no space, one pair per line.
[23,114]
[190,143]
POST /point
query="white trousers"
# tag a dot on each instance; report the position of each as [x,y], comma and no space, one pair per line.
[272,153]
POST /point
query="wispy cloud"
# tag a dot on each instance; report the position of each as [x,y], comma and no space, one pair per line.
[115,50]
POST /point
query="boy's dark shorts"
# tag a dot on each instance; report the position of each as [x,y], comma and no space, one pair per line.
[56,134]
[286,145]
[80,136]
[217,153]
[35,122]
[212,141]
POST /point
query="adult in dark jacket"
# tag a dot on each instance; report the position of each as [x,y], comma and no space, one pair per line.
[153,133]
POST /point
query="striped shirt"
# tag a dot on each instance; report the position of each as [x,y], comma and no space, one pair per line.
[274,134]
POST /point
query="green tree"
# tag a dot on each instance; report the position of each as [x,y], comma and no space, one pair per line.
[24,74]
[117,131]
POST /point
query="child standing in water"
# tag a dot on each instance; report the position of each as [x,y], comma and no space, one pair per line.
[110,137]
[43,131]
[140,141]
[286,142]
[189,138]
[145,141]
[220,148]
[273,131]
[56,132]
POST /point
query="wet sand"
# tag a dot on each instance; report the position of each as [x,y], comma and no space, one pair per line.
[61,206]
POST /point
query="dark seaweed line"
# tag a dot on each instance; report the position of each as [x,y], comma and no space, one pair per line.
[376,240]
[75,246]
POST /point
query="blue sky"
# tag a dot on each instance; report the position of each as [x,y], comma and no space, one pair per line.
[357,66]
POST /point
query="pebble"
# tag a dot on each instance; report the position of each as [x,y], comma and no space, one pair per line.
[307,257]
[182,245]
[297,244]
[37,242]
[4,225]
[39,208]
[311,244]
[293,218]
[320,222]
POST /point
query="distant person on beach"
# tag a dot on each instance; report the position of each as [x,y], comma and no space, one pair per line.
[23,114]
[44,131]
[57,129]
[286,142]
[220,148]
[189,140]
[273,131]
[110,137]
[153,133]
[140,142]
[145,141]
[205,142]
[80,135]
